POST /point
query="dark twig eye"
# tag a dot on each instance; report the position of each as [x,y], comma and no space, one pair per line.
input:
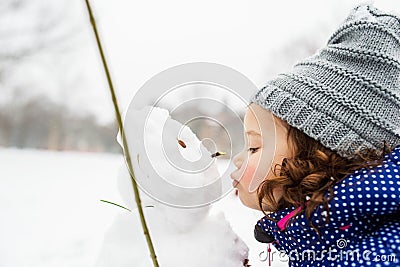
[181,143]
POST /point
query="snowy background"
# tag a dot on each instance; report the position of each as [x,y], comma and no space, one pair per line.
[53,96]
[51,214]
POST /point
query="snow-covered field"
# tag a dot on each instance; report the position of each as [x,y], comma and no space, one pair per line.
[51,213]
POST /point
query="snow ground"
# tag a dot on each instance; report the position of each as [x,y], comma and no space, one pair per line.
[51,214]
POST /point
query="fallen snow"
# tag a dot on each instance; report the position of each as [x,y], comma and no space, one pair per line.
[52,214]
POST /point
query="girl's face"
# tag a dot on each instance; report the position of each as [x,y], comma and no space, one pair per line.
[265,145]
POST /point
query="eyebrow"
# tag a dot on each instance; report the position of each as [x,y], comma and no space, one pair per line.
[252,132]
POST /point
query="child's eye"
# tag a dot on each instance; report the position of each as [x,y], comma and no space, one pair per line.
[253,149]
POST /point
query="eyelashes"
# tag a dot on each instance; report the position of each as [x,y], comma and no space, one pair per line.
[253,149]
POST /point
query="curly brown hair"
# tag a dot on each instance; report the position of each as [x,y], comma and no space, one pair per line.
[312,170]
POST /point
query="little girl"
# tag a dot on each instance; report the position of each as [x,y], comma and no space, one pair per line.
[331,129]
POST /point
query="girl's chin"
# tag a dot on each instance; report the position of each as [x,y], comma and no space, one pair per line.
[246,203]
[255,206]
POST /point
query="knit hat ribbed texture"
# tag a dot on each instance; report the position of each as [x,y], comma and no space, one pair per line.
[347,95]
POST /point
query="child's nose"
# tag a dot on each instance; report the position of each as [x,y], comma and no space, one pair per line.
[237,161]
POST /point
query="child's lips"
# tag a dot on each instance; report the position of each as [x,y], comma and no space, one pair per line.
[235,181]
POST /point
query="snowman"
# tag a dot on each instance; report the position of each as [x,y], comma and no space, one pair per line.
[178,181]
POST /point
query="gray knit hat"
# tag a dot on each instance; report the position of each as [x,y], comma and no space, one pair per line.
[347,95]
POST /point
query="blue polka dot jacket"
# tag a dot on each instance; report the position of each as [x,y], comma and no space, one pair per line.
[363,228]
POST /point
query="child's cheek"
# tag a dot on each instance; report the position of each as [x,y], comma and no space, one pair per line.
[248,174]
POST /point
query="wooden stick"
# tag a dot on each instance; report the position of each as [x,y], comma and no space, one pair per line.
[124,142]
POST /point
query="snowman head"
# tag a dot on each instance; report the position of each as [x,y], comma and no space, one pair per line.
[169,162]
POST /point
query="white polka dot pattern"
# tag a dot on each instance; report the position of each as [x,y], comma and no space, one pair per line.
[364,214]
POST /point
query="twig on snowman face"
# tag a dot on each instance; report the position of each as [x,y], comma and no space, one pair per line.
[214,155]
[181,143]
[217,154]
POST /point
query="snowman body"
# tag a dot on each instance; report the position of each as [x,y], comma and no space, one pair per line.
[178,180]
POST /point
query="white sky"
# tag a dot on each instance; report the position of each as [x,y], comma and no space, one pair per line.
[143,38]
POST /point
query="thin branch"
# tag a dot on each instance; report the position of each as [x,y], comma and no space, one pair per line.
[124,142]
